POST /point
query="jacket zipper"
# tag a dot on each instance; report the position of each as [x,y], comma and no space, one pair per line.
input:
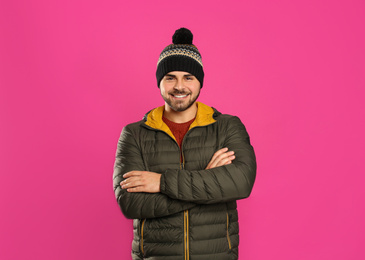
[228,238]
[186,216]
[186,212]
[141,243]
[186,234]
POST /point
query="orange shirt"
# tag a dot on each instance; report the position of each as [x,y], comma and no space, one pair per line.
[178,129]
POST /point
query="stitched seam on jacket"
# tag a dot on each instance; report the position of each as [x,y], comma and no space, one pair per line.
[209,195]
[220,187]
[216,238]
[214,254]
[229,174]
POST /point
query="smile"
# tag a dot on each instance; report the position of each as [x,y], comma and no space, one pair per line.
[180,96]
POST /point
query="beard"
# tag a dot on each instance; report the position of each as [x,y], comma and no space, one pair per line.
[180,105]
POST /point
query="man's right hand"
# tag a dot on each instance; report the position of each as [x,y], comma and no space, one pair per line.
[221,157]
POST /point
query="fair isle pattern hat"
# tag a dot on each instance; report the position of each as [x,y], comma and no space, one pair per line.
[182,55]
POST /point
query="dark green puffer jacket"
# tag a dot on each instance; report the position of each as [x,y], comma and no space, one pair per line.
[194,217]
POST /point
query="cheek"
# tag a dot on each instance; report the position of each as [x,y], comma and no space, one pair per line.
[197,88]
[163,91]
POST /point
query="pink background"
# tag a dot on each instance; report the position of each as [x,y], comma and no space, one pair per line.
[73,73]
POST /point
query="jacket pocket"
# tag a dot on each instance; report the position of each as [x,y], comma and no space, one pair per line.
[228,237]
[141,248]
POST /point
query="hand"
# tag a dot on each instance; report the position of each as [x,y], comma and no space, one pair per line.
[141,181]
[221,157]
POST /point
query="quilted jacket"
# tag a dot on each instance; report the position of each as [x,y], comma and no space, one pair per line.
[194,217]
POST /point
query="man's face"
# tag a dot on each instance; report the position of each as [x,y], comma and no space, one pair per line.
[180,90]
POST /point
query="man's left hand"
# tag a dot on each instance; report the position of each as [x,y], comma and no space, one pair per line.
[141,181]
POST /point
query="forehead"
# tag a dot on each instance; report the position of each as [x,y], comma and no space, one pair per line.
[179,73]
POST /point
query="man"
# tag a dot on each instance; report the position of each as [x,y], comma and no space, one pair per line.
[179,171]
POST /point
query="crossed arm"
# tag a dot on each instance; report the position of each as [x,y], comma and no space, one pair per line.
[229,175]
[149,182]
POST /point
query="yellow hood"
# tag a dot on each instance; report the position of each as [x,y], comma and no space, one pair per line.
[204,116]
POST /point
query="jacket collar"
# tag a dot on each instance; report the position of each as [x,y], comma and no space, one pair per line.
[204,116]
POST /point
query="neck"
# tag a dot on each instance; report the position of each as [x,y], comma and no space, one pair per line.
[180,116]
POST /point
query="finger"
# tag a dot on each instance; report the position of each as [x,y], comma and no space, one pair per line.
[131,182]
[131,185]
[228,162]
[136,189]
[225,160]
[216,155]
[222,158]
[223,155]
[222,162]
[131,173]
[219,152]
[127,180]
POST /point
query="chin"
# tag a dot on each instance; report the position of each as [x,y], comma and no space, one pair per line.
[182,107]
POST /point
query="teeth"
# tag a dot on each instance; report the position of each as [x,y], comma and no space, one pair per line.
[181,96]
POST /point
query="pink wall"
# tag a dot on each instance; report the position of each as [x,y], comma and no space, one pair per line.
[73,73]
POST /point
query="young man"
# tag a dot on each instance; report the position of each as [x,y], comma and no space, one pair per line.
[179,171]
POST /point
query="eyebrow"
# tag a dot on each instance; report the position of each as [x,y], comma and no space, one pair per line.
[185,75]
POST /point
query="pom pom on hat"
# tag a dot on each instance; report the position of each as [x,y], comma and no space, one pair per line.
[182,36]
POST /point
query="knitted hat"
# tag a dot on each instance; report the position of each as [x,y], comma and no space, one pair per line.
[182,55]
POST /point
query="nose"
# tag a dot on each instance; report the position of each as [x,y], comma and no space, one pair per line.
[179,84]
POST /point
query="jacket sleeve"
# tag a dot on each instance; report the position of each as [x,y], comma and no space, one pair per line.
[139,205]
[220,184]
